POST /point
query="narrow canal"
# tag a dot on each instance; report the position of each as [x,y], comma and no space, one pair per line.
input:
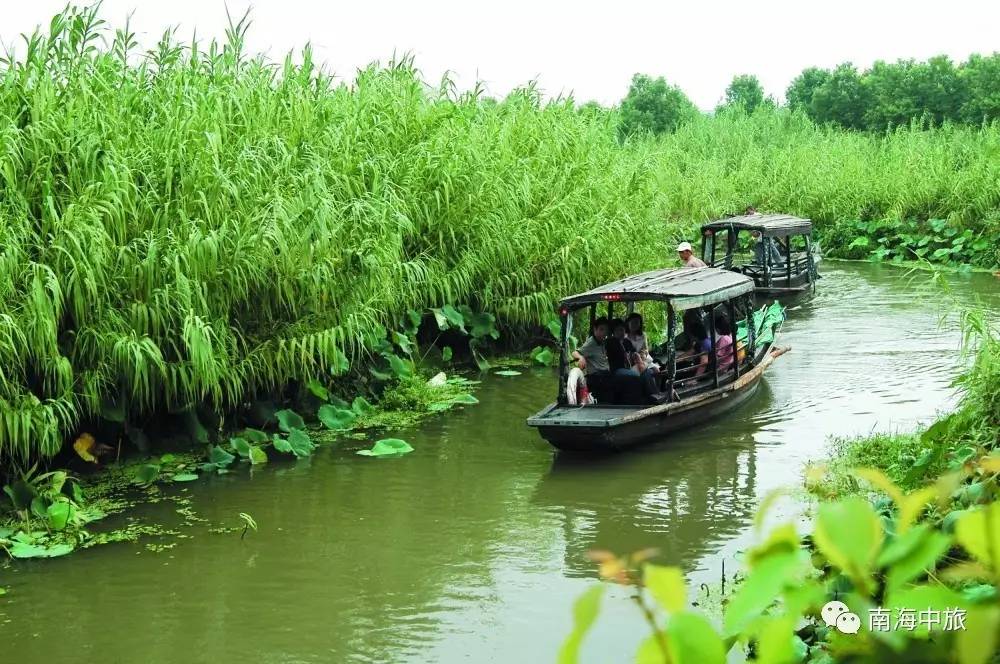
[472,548]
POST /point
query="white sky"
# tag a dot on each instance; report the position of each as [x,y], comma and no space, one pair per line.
[590,49]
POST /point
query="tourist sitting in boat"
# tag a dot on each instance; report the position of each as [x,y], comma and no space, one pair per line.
[688,259]
[592,359]
[637,335]
[765,250]
[627,363]
[693,359]
[592,356]
[723,343]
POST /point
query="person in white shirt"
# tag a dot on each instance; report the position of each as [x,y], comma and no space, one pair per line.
[687,256]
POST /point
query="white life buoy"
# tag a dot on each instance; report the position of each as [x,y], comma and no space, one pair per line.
[576,386]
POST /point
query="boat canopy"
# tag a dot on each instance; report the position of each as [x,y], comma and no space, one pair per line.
[683,287]
[769,225]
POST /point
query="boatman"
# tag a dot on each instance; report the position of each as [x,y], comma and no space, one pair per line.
[688,259]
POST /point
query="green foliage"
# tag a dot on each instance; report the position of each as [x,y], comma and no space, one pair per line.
[842,99]
[289,420]
[161,251]
[337,419]
[388,447]
[859,558]
[162,254]
[894,183]
[248,523]
[981,77]
[745,93]
[49,515]
[889,95]
[800,92]
[297,442]
[544,356]
[653,107]
[934,240]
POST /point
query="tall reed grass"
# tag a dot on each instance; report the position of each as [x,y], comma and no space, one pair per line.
[196,224]
[191,225]
[779,160]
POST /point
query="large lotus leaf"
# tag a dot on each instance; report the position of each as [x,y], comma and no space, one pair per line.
[58,514]
[220,457]
[257,455]
[543,356]
[448,317]
[317,389]
[335,418]
[297,443]
[388,447]
[481,325]
[255,436]
[281,444]
[185,477]
[288,420]
[31,550]
[240,446]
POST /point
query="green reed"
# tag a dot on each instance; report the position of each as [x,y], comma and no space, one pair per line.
[195,224]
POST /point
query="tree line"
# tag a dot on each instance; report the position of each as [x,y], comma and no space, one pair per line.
[927,93]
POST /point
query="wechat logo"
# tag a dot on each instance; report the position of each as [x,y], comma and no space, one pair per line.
[837,615]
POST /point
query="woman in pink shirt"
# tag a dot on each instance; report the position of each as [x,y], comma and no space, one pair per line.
[723,344]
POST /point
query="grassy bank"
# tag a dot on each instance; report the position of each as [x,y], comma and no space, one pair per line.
[195,228]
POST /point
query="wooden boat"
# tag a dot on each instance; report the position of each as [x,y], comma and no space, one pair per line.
[705,293]
[781,260]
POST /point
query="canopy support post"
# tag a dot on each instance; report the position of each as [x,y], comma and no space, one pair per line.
[563,328]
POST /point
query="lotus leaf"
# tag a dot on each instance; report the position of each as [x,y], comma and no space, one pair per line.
[388,447]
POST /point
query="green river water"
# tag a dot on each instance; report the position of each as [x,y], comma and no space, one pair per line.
[472,548]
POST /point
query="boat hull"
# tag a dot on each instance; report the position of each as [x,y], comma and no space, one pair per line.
[646,430]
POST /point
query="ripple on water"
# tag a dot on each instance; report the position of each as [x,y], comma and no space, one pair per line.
[473,547]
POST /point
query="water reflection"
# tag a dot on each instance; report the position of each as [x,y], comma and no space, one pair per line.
[473,547]
[681,496]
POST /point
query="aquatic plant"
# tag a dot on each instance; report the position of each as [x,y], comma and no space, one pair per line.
[248,522]
[875,564]
[387,447]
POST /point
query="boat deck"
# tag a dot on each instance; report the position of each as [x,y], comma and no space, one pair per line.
[582,416]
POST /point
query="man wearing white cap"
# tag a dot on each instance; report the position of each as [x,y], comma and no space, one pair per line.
[687,256]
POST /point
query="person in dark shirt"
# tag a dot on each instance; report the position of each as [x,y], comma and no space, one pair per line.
[625,361]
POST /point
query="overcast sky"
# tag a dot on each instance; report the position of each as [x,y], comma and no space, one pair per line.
[588,49]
